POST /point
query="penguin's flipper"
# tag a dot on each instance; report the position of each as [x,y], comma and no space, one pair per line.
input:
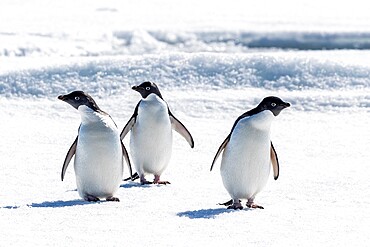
[128,127]
[274,162]
[181,129]
[130,122]
[128,162]
[220,149]
[71,152]
[133,178]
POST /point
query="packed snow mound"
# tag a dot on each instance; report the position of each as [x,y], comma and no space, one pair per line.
[309,80]
[203,71]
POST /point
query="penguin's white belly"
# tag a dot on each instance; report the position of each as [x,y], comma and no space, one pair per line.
[98,162]
[151,139]
[245,165]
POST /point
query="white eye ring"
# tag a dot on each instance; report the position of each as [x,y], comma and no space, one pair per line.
[147,88]
[77,98]
[273,104]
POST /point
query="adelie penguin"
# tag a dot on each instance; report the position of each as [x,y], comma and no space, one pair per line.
[98,149]
[248,153]
[151,133]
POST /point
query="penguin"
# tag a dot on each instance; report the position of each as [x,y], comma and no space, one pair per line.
[248,152]
[98,149]
[151,133]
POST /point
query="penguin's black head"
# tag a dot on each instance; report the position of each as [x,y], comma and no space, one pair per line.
[78,98]
[147,88]
[274,104]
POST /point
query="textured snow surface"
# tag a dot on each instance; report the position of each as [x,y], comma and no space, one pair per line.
[212,61]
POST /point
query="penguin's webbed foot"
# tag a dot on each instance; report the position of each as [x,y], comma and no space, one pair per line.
[91,198]
[251,204]
[143,181]
[112,199]
[236,206]
[162,182]
[228,203]
[157,180]
[254,206]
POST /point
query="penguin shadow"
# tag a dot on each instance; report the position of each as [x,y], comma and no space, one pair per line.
[55,204]
[11,207]
[206,213]
[61,204]
[130,185]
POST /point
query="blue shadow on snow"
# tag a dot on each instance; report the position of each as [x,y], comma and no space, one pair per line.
[137,185]
[205,213]
[54,204]
[11,207]
[60,204]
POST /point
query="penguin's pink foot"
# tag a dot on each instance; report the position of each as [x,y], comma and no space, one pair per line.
[143,180]
[236,205]
[251,204]
[255,206]
[228,203]
[112,199]
[157,180]
[91,198]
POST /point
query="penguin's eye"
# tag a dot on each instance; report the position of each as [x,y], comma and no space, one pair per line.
[77,98]
[273,104]
[147,88]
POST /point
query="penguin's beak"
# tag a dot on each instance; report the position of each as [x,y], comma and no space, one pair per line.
[283,105]
[62,97]
[138,89]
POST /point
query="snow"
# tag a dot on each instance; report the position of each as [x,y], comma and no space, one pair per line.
[212,61]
